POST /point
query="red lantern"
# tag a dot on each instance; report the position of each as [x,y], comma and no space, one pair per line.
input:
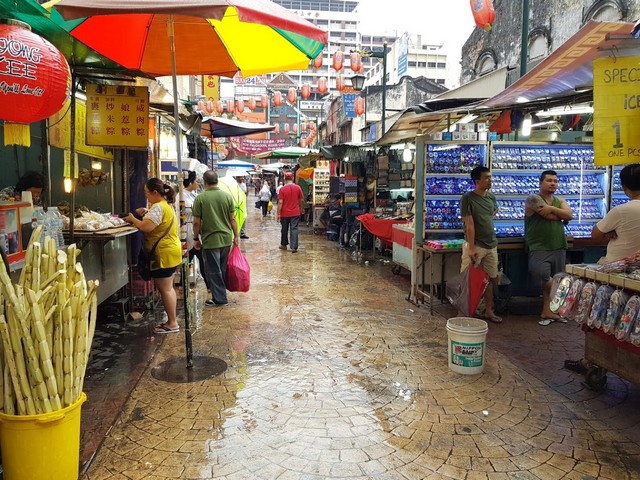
[292,95]
[208,107]
[200,106]
[35,76]
[219,107]
[356,63]
[264,101]
[295,128]
[287,127]
[483,13]
[240,106]
[303,142]
[277,129]
[229,106]
[338,60]
[317,62]
[252,104]
[306,90]
[339,83]
[303,126]
[277,99]
[312,126]
[359,107]
[322,85]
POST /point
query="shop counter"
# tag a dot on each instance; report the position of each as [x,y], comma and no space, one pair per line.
[380,227]
[105,256]
[402,237]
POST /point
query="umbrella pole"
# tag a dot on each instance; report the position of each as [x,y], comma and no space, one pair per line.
[184,268]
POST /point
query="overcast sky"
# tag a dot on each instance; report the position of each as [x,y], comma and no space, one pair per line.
[448,22]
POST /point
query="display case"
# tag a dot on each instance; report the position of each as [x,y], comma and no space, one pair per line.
[13,215]
[618,197]
[516,169]
[447,171]
[321,182]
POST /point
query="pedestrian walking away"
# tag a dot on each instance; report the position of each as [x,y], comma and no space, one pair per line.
[290,207]
[215,230]
[545,238]
[243,187]
[264,196]
[477,209]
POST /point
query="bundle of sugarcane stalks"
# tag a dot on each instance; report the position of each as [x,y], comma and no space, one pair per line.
[47,322]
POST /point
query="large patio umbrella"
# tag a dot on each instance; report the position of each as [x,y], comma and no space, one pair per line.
[193,37]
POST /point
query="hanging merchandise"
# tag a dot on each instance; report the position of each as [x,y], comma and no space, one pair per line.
[338,60]
[36,81]
[292,95]
[277,99]
[322,85]
[483,13]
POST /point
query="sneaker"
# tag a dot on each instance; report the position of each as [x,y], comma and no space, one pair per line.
[282,247]
[244,236]
[212,303]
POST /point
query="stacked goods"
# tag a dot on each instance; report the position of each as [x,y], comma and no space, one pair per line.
[47,322]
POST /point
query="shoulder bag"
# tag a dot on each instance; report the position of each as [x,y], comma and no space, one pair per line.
[144,258]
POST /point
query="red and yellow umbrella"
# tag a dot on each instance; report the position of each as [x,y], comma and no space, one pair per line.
[216,37]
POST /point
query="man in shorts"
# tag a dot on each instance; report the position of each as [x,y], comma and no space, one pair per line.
[477,209]
[545,238]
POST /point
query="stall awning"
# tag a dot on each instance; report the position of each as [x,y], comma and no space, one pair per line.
[286,152]
[484,87]
[224,127]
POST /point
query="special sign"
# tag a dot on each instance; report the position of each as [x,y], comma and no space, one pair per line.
[616,102]
[117,116]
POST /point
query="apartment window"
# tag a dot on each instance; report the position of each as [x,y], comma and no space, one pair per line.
[440,81]
[431,64]
[422,64]
[442,65]
[412,64]
[538,47]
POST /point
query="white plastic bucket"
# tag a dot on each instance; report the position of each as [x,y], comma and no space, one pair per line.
[467,337]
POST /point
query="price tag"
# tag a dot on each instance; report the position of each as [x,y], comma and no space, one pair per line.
[616,102]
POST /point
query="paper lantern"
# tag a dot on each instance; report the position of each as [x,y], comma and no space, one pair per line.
[312,126]
[356,62]
[338,60]
[483,13]
[359,106]
[277,129]
[339,83]
[252,104]
[240,106]
[306,90]
[287,127]
[292,95]
[200,106]
[317,62]
[264,100]
[208,107]
[229,106]
[322,85]
[303,142]
[277,99]
[36,81]
[219,107]
[303,126]
[295,128]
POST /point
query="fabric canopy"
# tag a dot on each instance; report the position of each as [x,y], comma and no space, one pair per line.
[236,164]
[222,127]
[286,152]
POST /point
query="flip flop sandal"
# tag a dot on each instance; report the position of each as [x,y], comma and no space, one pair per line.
[575,366]
[164,330]
[546,321]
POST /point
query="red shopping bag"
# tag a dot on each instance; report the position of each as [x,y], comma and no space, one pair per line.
[238,271]
[465,290]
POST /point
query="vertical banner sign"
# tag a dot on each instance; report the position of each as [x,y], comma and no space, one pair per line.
[211,88]
[349,102]
[616,102]
[117,116]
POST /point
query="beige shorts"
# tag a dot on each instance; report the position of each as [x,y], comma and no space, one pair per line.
[487,259]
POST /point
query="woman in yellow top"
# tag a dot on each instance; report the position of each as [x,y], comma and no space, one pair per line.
[168,254]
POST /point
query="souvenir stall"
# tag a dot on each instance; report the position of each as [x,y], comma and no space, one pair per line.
[451,141]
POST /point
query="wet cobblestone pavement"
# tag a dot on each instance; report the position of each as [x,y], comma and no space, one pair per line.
[332,373]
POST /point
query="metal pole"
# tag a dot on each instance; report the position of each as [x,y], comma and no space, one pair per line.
[384,86]
[524,41]
[72,162]
[184,272]
[298,118]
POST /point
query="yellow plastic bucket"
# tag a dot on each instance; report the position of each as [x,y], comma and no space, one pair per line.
[42,447]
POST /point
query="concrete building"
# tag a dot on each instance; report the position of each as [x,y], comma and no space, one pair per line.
[550,25]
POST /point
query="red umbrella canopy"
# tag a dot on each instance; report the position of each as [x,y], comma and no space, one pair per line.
[217,37]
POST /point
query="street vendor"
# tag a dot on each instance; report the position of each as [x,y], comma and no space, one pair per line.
[33,182]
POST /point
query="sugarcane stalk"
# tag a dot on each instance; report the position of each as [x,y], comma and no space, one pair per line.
[35,262]
[58,356]
[67,351]
[9,398]
[21,399]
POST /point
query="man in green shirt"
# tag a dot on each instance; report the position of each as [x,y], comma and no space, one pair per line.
[214,231]
[545,238]
[477,209]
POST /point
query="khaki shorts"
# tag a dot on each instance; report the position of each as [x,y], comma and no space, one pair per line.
[487,259]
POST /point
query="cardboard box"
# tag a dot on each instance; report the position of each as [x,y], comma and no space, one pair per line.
[447,136]
[435,136]
[456,135]
[482,127]
[466,127]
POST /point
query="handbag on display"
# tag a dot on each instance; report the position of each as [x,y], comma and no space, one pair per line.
[144,258]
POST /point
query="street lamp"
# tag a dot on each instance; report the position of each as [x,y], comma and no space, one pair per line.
[358,80]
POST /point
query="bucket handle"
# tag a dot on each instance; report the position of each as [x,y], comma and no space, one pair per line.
[50,418]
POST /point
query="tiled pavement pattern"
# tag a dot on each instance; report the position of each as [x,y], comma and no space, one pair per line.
[333,374]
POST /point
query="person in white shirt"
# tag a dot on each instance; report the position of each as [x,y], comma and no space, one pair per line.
[190,191]
[621,226]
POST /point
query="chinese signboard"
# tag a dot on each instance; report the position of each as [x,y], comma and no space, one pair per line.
[349,102]
[117,116]
[211,88]
[616,104]
[60,132]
